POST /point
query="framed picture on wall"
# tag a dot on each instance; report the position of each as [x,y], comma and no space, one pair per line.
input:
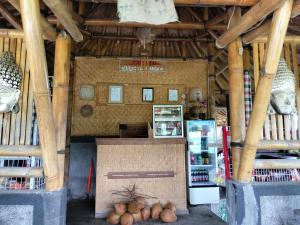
[173,95]
[148,94]
[115,94]
[87,92]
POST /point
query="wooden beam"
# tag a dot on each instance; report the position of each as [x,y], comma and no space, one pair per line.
[194,14]
[48,31]
[195,2]
[277,164]
[65,18]
[21,172]
[60,96]
[296,9]
[30,12]
[236,92]
[260,31]
[20,150]
[218,19]
[279,145]
[116,23]
[253,16]
[9,17]
[262,98]
[81,8]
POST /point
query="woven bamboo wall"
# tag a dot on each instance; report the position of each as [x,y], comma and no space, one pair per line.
[181,75]
[279,127]
[16,129]
[133,158]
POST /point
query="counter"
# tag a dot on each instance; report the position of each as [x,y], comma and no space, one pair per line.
[155,166]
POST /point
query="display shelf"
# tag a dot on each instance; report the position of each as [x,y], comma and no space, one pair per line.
[159,119]
[201,165]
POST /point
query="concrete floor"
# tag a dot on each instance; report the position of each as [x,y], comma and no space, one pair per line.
[82,213]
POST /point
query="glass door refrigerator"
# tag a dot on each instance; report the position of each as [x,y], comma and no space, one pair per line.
[202,162]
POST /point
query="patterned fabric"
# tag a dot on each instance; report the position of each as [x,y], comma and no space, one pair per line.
[147,11]
[248,96]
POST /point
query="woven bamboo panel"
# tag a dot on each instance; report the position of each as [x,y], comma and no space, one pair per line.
[279,127]
[133,158]
[100,73]
[16,129]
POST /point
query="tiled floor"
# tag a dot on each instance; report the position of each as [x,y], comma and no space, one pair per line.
[82,213]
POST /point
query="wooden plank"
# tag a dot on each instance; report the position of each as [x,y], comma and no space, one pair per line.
[21,62]
[287,127]
[274,127]
[25,100]
[6,116]
[297,89]
[10,17]
[294,123]
[1,114]
[14,115]
[287,54]
[267,128]
[280,127]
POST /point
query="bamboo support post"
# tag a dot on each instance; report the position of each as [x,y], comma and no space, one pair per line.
[277,164]
[211,80]
[296,9]
[253,16]
[274,47]
[20,150]
[61,95]
[236,94]
[48,31]
[9,17]
[30,12]
[279,145]
[260,31]
[65,18]
[21,172]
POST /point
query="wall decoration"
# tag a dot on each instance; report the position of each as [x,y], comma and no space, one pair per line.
[86,111]
[115,94]
[173,95]
[148,94]
[87,92]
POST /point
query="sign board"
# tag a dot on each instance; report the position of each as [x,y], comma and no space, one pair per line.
[140,66]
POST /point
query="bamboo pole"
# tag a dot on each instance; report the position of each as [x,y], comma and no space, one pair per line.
[253,16]
[11,33]
[195,2]
[21,172]
[48,31]
[279,145]
[287,39]
[277,164]
[20,150]
[9,17]
[30,12]
[60,96]
[274,47]
[211,80]
[236,94]
[116,23]
[260,31]
[65,18]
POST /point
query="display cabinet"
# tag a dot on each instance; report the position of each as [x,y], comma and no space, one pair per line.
[167,121]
